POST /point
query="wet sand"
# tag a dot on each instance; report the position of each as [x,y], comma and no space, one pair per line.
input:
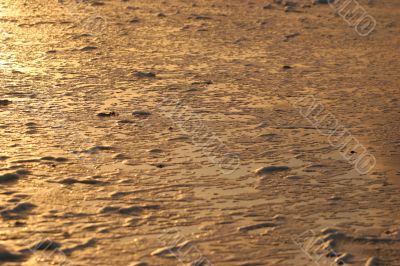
[173,133]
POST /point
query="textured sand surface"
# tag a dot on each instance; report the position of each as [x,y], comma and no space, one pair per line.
[169,133]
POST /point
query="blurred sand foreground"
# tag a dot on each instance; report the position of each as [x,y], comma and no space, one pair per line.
[194,132]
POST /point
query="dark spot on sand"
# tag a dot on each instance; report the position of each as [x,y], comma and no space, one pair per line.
[199,17]
[120,156]
[141,113]
[71,181]
[89,243]
[137,209]
[106,114]
[96,149]
[90,181]
[3,158]
[61,159]
[23,207]
[108,209]
[9,256]
[291,35]
[271,169]
[23,172]
[255,226]
[98,3]
[139,263]
[207,82]
[9,177]
[134,20]
[88,48]
[126,121]
[155,150]
[54,159]
[268,6]
[46,245]
[315,2]
[5,102]
[142,74]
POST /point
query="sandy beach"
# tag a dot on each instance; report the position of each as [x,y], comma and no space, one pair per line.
[199,132]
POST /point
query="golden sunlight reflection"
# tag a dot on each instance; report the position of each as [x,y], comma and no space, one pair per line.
[138,132]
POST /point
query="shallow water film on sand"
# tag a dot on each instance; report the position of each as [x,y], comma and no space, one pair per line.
[199,132]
